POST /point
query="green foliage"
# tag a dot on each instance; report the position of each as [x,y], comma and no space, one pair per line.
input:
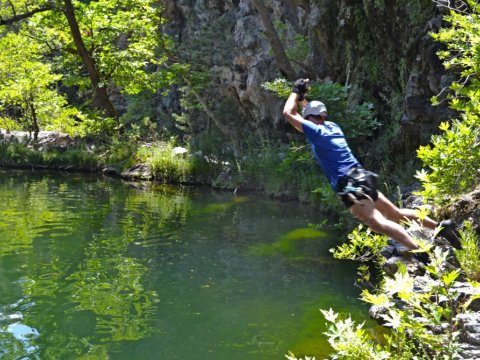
[127,53]
[166,165]
[424,327]
[357,120]
[297,169]
[452,159]
[351,341]
[139,116]
[363,245]
[20,155]
[169,167]
[29,86]
[469,256]
[122,37]
[454,155]
[462,38]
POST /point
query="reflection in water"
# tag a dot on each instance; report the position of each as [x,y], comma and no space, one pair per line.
[91,268]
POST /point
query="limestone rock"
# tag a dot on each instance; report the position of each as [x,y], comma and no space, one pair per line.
[179,151]
[465,291]
[469,325]
[142,172]
[391,265]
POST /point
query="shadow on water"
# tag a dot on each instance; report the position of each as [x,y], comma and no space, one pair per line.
[91,268]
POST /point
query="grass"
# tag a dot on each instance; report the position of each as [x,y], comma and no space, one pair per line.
[20,155]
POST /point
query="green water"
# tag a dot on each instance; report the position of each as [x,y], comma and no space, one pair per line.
[93,269]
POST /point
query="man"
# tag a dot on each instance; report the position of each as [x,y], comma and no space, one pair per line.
[355,186]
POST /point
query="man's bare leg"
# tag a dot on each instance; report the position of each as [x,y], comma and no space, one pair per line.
[396,214]
[366,212]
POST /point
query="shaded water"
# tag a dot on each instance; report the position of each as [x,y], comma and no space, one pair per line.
[92,268]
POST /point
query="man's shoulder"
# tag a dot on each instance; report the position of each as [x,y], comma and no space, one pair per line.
[333,126]
[331,123]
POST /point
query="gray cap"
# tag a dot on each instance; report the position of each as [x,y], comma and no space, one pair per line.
[315,108]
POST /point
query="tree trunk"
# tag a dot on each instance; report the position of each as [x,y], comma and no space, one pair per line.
[35,127]
[283,63]
[225,130]
[101,99]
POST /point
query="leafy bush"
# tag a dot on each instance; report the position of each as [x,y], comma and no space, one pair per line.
[452,159]
[454,155]
[363,245]
[29,86]
[469,256]
[296,172]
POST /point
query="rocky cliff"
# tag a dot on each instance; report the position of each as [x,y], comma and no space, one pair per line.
[381,49]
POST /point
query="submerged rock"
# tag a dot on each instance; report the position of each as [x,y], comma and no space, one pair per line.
[111,170]
[142,172]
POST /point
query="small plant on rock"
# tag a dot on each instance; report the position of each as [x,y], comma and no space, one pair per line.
[469,256]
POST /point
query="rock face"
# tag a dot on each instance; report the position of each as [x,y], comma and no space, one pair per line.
[393,63]
[462,291]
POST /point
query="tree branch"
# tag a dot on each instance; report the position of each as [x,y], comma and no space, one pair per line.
[281,58]
[13,8]
[20,17]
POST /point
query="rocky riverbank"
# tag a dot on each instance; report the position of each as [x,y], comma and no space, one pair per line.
[464,293]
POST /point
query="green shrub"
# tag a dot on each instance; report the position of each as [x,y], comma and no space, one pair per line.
[453,157]
[296,172]
[363,245]
[121,153]
[166,166]
[469,256]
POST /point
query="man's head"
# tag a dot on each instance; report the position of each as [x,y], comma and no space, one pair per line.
[315,111]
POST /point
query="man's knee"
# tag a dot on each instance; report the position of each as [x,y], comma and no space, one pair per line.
[364,218]
[387,208]
[362,212]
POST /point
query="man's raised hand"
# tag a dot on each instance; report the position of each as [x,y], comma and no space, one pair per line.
[300,87]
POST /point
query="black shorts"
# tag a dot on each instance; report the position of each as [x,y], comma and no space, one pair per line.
[358,184]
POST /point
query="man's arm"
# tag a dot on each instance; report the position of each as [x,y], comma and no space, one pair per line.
[290,111]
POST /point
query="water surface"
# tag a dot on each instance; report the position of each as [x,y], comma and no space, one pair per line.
[94,268]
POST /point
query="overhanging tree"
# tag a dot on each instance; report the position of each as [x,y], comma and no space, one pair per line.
[109,42]
[27,86]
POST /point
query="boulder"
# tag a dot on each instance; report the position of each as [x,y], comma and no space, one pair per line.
[141,172]
[469,325]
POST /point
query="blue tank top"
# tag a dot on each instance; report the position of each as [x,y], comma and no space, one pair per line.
[330,149]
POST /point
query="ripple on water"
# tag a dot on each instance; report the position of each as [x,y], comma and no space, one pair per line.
[13,331]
